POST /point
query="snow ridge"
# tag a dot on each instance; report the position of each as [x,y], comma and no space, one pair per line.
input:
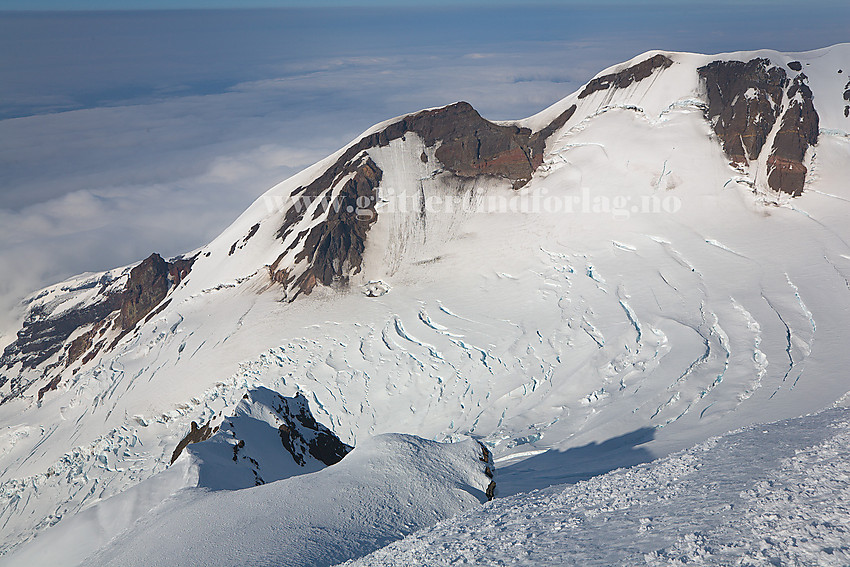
[772,494]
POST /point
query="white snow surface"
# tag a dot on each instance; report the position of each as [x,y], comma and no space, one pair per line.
[776,494]
[386,488]
[262,458]
[643,298]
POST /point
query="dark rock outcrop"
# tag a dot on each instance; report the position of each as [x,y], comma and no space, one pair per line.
[196,435]
[300,433]
[44,334]
[147,286]
[79,346]
[627,76]
[745,101]
[489,470]
[467,146]
[245,240]
[795,66]
[797,131]
[268,437]
[334,248]
[471,146]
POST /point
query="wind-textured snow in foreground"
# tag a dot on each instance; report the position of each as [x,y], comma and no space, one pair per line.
[776,494]
[571,342]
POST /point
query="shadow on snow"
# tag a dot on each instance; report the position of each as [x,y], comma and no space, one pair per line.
[576,464]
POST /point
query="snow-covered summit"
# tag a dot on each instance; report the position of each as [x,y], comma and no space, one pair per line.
[658,258]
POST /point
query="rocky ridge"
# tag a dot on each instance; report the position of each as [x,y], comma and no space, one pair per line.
[763,117]
[267,438]
[466,146]
[627,76]
[102,310]
[750,103]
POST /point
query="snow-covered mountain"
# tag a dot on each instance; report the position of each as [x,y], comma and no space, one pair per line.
[659,258]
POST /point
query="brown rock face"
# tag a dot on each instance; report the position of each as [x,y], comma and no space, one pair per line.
[744,104]
[797,131]
[179,268]
[43,335]
[147,286]
[744,100]
[626,77]
[334,248]
[196,435]
[472,146]
[80,346]
[467,146]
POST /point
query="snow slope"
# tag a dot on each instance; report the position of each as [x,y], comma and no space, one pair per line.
[268,438]
[637,296]
[775,494]
[387,487]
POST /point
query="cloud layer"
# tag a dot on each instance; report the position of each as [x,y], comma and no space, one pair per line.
[125,134]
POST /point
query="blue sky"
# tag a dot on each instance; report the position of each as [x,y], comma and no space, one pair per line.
[123,133]
[228,4]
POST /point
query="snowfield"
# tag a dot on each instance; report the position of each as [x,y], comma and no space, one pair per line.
[388,487]
[776,494]
[638,297]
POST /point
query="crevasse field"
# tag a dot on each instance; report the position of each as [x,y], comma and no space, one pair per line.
[631,305]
